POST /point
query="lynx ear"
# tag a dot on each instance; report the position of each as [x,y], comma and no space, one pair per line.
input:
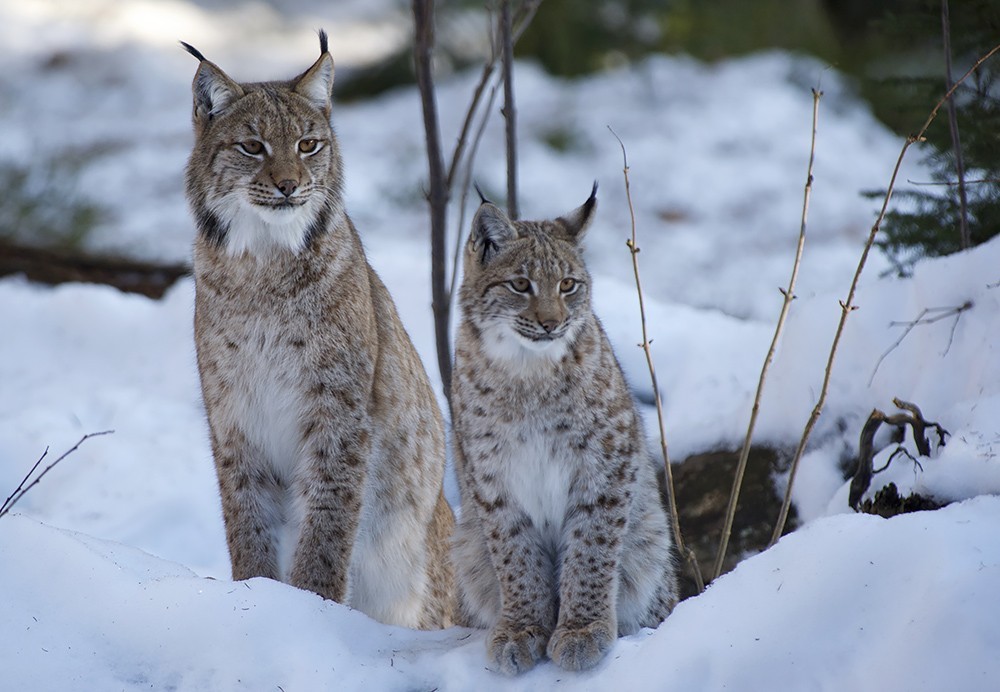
[213,90]
[491,229]
[316,83]
[575,223]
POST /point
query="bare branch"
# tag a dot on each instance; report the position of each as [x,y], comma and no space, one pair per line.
[686,552]
[437,196]
[22,490]
[24,480]
[526,12]
[942,313]
[789,295]
[440,181]
[848,306]
[466,183]
[509,108]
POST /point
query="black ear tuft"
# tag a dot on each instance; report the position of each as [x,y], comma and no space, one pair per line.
[482,197]
[193,51]
[323,46]
[575,223]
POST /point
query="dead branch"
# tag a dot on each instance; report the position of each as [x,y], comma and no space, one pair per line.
[848,306]
[686,552]
[939,314]
[911,416]
[789,295]
[21,490]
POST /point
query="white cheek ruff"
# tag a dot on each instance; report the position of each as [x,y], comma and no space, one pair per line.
[260,231]
[502,343]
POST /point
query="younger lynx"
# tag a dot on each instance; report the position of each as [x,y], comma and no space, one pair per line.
[563,543]
[328,441]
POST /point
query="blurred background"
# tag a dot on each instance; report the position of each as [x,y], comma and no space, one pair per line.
[91,89]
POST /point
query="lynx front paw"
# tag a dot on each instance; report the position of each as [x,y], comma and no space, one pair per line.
[512,649]
[581,648]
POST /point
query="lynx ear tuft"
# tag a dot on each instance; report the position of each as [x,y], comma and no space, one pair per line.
[482,197]
[576,222]
[193,51]
[213,90]
[491,230]
[316,83]
[323,42]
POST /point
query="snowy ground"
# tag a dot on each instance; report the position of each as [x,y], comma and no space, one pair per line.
[104,573]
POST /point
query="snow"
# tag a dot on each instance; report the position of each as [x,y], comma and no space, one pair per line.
[114,568]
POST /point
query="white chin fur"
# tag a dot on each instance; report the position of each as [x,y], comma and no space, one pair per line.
[506,345]
[260,231]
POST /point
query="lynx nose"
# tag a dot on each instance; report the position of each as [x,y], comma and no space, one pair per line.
[548,325]
[287,187]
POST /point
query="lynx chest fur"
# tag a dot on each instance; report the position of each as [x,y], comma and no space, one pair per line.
[563,543]
[327,438]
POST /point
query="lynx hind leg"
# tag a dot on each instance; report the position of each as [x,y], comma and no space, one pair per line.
[477,586]
[647,585]
[440,609]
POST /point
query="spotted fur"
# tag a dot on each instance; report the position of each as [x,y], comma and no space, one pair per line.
[563,543]
[327,438]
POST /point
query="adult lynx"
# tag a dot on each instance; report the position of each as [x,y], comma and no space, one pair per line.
[563,543]
[327,438]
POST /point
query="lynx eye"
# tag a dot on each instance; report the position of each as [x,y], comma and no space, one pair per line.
[251,147]
[309,146]
[520,285]
[568,286]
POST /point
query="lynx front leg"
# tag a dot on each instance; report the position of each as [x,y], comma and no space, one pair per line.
[588,619]
[250,506]
[332,493]
[526,575]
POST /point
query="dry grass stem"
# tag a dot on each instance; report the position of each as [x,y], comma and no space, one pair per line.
[848,305]
[789,296]
[686,552]
[21,490]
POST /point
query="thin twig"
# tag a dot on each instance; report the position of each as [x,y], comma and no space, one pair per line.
[942,313]
[686,552]
[22,490]
[509,108]
[24,480]
[956,141]
[848,306]
[789,295]
[526,12]
[466,183]
[952,183]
